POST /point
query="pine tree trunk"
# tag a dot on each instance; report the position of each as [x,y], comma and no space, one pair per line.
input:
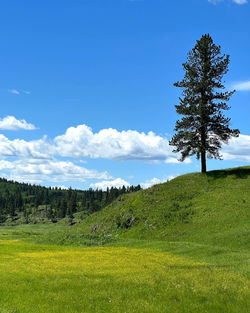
[203,162]
[203,142]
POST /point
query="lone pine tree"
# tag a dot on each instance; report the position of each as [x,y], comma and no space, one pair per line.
[203,127]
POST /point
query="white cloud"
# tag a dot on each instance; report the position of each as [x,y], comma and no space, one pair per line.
[118,183]
[37,149]
[150,182]
[111,144]
[34,161]
[79,142]
[235,1]
[61,187]
[240,1]
[17,92]
[11,123]
[215,1]
[14,91]
[37,171]
[238,149]
[176,161]
[154,181]
[242,86]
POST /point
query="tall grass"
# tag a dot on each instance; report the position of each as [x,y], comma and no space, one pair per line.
[39,278]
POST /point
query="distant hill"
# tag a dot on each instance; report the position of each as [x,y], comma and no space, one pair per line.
[25,203]
[212,208]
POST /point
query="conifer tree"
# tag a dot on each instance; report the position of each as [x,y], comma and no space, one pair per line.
[203,127]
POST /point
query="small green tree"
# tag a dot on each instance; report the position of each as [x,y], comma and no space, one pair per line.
[203,127]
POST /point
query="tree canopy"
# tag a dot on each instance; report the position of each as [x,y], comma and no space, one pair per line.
[31,201]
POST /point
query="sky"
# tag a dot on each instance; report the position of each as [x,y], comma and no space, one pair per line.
[86,88]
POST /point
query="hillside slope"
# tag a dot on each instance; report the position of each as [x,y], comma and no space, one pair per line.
[213,209]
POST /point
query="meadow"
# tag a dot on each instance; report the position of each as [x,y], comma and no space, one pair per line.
[134,276]
[177,247]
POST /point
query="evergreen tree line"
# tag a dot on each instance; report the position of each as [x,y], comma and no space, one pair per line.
[54,203]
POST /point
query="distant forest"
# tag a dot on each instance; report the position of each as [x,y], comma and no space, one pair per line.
[26,202]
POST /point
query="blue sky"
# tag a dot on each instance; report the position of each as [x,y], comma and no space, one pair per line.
[86,87]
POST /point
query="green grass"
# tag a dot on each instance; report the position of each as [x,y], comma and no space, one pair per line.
[49,278]
[211,209]
[177,247]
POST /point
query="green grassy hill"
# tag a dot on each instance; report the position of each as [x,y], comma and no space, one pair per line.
[213,209]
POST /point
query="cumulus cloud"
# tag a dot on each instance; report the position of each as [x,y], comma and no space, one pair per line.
[37,149]
[11,123]
[118,183]
[154,181]
[111,144]
[35,161]
[238,149]
[80,142]
[242,86]
[37,171]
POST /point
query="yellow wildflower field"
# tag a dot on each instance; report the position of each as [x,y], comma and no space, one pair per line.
[53,279]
